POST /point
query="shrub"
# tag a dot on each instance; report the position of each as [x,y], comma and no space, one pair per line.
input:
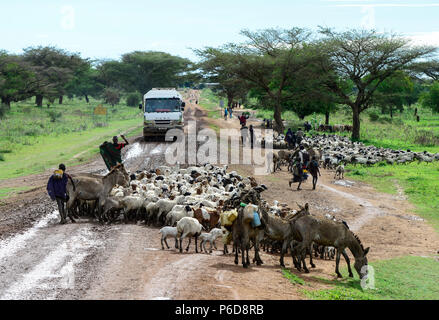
[1,157]
[373,116]
[133,99]
[54,115]
[111,96]
[3,109]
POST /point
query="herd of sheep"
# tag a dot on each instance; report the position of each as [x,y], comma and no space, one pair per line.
[182,201]
[333,150]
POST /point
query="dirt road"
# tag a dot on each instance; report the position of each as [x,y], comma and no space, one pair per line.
[40,259]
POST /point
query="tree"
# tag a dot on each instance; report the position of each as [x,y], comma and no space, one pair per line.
[270,61]
[111,96]
[141,71]
[214,65]
[429,68]
[17,80]
[366,58]
[54,69]
[394,92]
[430,98]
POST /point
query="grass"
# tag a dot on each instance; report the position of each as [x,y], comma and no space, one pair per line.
[7,192]
[34,139]
[420,182]
[210,102]
[404,278]
[401,132]
[292,277]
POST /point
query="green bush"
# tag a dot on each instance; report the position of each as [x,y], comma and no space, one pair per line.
[111,96]
[373,116]
[1,157]
[133,99]
[54,115]
[3,110]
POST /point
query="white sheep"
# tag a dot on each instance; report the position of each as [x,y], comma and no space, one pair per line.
[178,212]
[210,237]
[188,227]
[168,232]
[166,205]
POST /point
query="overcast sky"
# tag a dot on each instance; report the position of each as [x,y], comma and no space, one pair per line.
[101,29]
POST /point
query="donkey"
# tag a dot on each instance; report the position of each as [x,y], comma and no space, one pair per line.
[243,232]
[280,229]
[329,233]
[96,188]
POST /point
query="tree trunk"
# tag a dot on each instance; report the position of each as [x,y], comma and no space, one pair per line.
[355,123]
[279,126]
[6,102]
[327,118]
[86,99]
[39,100]
[391,113]
[60,99]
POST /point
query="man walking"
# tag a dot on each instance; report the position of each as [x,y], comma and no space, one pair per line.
[297,173]
[313,169]
[252,135]
[57,190]
[244,134]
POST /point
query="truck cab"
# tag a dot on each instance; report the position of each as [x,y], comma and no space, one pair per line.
[163,110]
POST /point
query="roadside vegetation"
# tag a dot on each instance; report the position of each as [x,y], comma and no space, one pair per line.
[404,278]
[34,139]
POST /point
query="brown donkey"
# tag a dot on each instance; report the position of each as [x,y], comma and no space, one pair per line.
[326,232]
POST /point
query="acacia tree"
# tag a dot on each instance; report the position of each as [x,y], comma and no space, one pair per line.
[394,92]
[17,80]
[270,60]
[54,68]
[430,98]
[140,71]
[428,68]
[214,65]
[366,58]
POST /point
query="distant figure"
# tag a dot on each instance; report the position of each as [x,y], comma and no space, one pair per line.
[299,136]
[242,120]
[196,102]
[244,135]
[230,112]
[225,114]
[252,135]
[313,169]
[289,138]
[297,173]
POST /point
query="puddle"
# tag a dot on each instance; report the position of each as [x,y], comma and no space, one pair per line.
[135,151]
[344,183]
[9,246]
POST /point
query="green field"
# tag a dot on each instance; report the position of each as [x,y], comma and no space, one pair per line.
[404,278]
[34,139]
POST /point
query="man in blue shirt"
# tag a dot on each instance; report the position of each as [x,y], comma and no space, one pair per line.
[57,190]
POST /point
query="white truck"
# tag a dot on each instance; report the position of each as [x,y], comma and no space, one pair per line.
[163,110]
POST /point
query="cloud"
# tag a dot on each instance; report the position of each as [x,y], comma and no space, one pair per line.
[424,38]
[67,17]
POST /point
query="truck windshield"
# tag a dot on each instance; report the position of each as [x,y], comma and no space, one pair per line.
[163,105]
